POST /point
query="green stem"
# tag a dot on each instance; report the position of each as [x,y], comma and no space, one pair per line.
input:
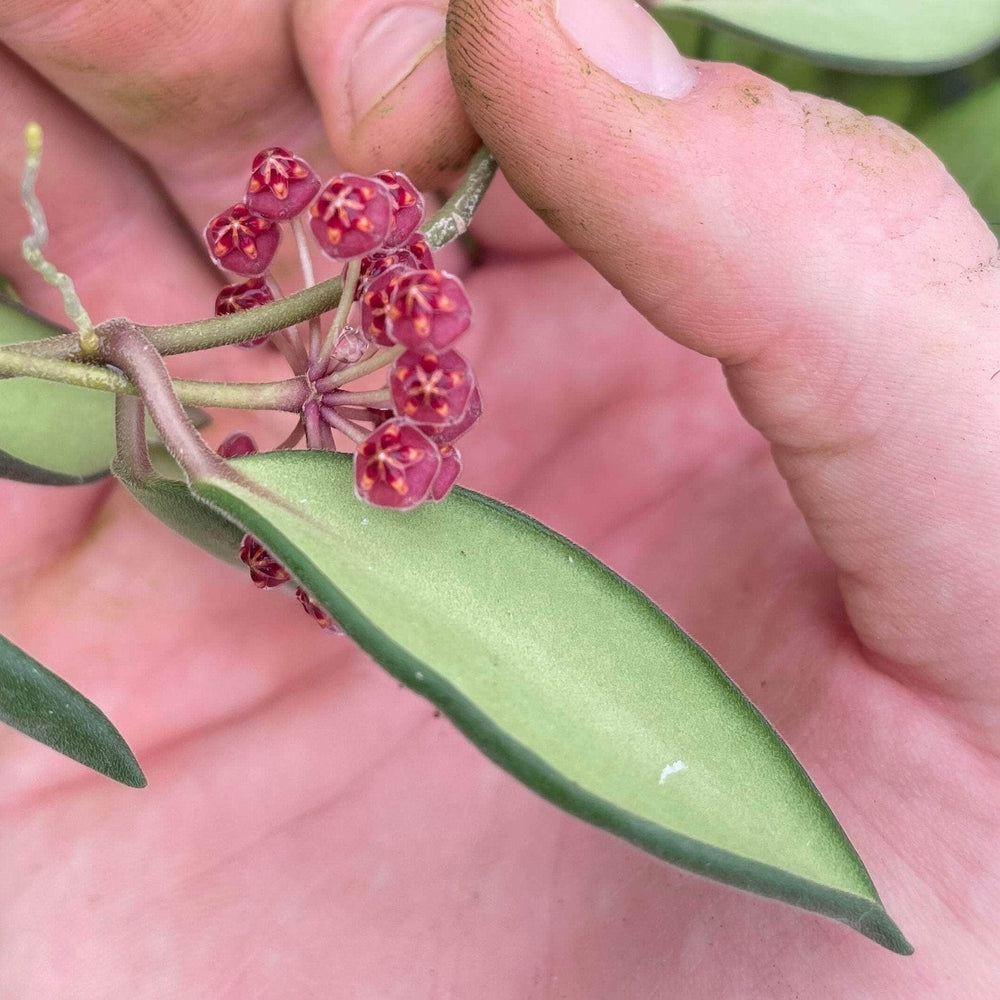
[288,394]
[456,213]
[179,338]
[349,284]
[372,364]
[375,397]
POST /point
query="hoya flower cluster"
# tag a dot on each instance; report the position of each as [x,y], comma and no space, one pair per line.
[404,307]
[398,312]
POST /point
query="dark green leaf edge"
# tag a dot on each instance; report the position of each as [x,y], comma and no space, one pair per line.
[865,916]
[19,471]
[827,59]
[171,502]
[24,472]
[42,705]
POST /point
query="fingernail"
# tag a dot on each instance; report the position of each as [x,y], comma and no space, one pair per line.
[625,41]
[390,49]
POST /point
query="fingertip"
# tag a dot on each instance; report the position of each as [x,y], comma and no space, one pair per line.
[504,224]
[418,127]
[379,74]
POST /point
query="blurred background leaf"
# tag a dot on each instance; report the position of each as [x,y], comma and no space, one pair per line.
[884,36]
[955,111]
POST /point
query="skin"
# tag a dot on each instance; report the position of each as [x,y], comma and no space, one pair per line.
[802,472]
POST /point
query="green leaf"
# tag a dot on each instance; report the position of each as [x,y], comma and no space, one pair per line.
[967,138]
[172,502]
[44,707]
[563,674]
[910,36]
[57,435]
[54,434]
[8,290]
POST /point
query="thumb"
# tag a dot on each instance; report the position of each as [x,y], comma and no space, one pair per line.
[825,258]
[378,73]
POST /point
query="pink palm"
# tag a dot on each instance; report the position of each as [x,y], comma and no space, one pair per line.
[310,828]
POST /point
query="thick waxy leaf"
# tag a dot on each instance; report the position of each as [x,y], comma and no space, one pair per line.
[44,707]
[886,35]
[58,435]
[54,434]
[563,674]
[901,99]
[967,138]
[171,501]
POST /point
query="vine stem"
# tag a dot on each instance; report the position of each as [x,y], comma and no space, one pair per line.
[129,350]
[451,221]
[288,395]
[132,450]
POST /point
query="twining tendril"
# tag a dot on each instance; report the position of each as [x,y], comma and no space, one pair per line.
[33,244]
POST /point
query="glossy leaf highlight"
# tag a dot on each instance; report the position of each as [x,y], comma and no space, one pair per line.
[43,706]
[563,674]
[902,36]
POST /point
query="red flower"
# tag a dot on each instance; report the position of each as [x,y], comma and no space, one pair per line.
[351,216]
[238,443]
[281,184]
[245,295]
[414,256]
[396,465]
[375,304]
[265,570]
[408,206]
[428,309]
[320,615]
[451,469]
[452,432]
[242,242]
[430,388]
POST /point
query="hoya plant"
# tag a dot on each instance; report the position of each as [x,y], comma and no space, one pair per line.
[556,667]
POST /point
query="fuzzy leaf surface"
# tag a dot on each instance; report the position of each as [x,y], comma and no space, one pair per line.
[563,674]
[43,706]
[892,36]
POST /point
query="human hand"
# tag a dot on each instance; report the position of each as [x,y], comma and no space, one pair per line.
[309,828]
